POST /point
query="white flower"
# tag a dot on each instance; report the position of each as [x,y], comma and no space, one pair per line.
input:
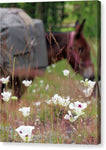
[88,83]
[5,80]
[48,67]
[33,90]
[70,117]
[25,132]
[87,92]
[47,87]
[37,103]
[53,65]
[78,107]
[66,72]
[49,70]
[41,81]
[25,111]
[6,96]
[27,82]
[89,87]
[48,102]
[58,100]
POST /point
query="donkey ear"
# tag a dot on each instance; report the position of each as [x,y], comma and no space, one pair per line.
[80,27]
[76,23]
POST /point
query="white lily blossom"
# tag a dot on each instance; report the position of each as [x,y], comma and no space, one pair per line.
[89,87]
[66,72]
[70,117]
[25,132]
[78,107]
[5,80]
[6,96]
[25,111]
[27,82]
[33,91]
[48,67]
[87,92]
[53,65]
[88,83]
[58,100]
[41,81]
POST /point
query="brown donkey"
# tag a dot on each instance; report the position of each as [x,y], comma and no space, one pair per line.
[72,46]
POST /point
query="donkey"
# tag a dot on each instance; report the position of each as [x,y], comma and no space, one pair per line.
[73,47]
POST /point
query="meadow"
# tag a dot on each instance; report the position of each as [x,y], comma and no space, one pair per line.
[49,118]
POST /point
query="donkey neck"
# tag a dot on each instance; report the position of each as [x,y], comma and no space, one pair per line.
[72,35]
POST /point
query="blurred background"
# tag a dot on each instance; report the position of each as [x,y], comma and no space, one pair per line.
[61,16]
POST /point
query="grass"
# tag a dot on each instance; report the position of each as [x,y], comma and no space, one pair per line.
[48,120]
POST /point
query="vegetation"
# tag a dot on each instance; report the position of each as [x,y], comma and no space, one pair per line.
[48,120]
[49,124]
[55,15]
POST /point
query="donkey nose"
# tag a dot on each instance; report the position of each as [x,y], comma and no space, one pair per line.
[90,78]
[89,73]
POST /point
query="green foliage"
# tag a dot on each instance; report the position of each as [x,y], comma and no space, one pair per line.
[58,14]
[90,10]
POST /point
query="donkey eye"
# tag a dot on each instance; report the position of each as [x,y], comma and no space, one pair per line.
[80,49]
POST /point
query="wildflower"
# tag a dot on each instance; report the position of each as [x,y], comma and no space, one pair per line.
[88,83]
[33,90]
[84,82]
[48,102]
[27,82]
[41,81]
[25,132]
[48,67]
[37,104]
[6,96]
[47,87]
[70,117]
[78,107]
[58,100]
[87,92]
[89,87]
[25,111]
[53,65]
[5,80]
[66,72]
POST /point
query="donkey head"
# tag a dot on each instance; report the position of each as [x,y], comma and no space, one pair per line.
[79,52]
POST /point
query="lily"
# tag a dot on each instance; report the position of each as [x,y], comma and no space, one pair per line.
[25,111]
[27,82]
[25,132]
[78,107]
[70,117]
[5,80]
[58,100]
[53,65]
[88,83]
[66,72]
[6,96]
